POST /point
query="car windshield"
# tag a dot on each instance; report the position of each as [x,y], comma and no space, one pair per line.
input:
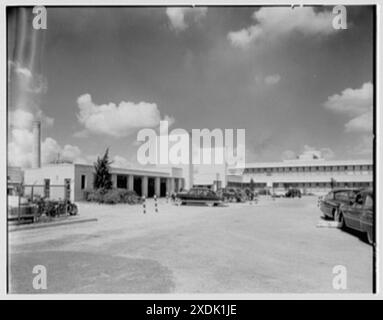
[344,195]
[369,201]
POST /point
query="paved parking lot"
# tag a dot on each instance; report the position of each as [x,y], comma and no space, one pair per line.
[271,247]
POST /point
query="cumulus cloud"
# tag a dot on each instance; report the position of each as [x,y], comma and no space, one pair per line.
[27,82]
[356,105]
[318,153]
[309,153]
[51,151]
[21,119]
[273,23]
[362,123]
[288,155]
[363,146]
[116,120]
[272,79]
[178,17]
[121,162]
[21,140]
[20,150]
[351,101]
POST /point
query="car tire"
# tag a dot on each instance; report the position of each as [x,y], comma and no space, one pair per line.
[342,224]
[335,214]
[73,210]
[370,237]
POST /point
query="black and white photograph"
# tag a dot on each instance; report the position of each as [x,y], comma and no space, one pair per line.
[191,149]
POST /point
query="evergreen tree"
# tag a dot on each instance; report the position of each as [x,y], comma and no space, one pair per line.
[103,178]
[252,184]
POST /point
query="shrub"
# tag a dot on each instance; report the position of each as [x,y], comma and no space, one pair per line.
[129,196]
[96,195]
[112,196]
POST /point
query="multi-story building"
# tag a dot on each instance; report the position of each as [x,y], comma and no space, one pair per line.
[314,175]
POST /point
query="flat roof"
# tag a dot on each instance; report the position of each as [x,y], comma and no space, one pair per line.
[305,163]
[163,172]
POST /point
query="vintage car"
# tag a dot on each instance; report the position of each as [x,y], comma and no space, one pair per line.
[250,193]
[292,193]
[331,202]
[358,214]
[232,195]
[198,195]
[278,194]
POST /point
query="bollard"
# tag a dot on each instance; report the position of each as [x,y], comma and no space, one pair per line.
[167,197]
[144,204]
[155,204]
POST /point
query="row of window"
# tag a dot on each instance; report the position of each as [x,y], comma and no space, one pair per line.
[323,185]
[310,169]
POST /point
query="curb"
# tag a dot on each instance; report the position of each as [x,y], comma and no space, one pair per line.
[49,224]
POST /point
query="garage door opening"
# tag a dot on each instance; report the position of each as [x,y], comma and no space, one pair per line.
[137,183]
[151,187]
[163,187]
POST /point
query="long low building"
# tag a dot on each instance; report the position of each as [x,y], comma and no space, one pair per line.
[70,180]
[316,175]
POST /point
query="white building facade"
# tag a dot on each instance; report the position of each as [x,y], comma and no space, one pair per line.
[69,181]
[311,176]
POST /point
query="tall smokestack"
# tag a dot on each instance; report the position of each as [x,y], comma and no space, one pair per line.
[36,147]
[191,167]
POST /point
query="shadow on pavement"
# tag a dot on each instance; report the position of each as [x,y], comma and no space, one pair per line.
[78,272]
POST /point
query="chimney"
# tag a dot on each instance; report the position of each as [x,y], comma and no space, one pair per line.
[191,167]
[36,144]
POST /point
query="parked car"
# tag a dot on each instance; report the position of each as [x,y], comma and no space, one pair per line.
[278,194]
[358,214]
[199,195]
[292,193]
[250,194]
[331,202]
[264,192]
[227,194]
[232,195]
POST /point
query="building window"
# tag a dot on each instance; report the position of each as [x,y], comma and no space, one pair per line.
[122,182]
[46,188]
[67,189]
[83,181]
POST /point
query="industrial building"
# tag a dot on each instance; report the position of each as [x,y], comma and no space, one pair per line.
[70,180]
[78,177]
[309,175]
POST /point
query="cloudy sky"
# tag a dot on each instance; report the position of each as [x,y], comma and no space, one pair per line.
[97,75]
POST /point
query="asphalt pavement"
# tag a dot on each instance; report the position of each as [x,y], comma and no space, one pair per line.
[270,247]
